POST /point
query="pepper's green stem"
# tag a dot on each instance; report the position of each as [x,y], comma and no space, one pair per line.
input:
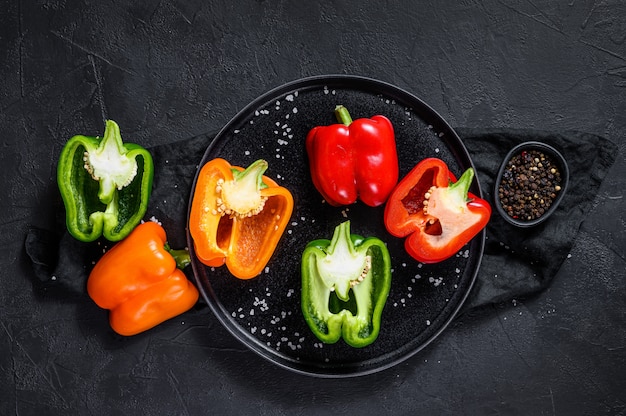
[109,163]
[252,176]
[343,115]
[241,196]
[341,244]
[461,187]
[181,256]
[342,263]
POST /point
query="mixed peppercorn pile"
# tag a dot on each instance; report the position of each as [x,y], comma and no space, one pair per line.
[530,183]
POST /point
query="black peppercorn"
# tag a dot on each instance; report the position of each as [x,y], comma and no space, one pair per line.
[530,183]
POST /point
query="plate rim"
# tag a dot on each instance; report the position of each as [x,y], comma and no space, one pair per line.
[252,343]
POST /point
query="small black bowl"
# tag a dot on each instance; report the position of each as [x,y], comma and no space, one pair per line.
[515,180]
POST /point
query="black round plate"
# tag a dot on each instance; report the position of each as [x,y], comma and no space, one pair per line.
[264,313]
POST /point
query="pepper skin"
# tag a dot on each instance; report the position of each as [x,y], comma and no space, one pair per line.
[438,216]
[345,284]
[105,185]
[139,282]
[356,159]
[238,216]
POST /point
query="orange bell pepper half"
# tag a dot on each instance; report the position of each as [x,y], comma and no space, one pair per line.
[139,282]
[238,216]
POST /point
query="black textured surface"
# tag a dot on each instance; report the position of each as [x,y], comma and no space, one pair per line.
[167,71]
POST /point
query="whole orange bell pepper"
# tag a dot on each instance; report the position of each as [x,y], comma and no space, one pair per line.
[139,282]
[238,216]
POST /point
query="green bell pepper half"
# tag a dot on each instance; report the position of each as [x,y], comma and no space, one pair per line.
[345,284]
[105,185]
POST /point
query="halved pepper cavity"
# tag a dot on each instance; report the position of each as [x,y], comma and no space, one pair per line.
[345,284]
[353,159]
[435,212]
[238,216]
[141,282]
[105,185]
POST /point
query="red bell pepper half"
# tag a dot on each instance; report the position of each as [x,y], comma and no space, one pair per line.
[355,159]
[435,211]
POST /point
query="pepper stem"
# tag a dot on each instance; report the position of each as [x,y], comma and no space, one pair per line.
[111,140]
[463,184]
[241,196]
[109,164]
[253,173]
[342,267]
[343,115]
[341,244]
[181,256]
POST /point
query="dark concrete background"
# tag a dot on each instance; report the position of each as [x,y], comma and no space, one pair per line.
[169,70]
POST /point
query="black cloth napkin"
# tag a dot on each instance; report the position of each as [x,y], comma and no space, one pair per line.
[517,262]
